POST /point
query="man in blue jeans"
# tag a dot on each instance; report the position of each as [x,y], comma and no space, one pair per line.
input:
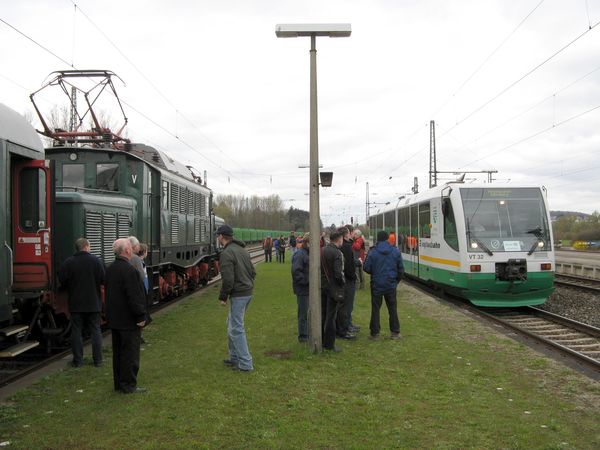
[237,275]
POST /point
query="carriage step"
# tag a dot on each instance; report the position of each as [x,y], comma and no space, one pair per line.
[17,349]
[13,329]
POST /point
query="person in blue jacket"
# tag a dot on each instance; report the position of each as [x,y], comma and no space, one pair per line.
[300,277]
[384,264]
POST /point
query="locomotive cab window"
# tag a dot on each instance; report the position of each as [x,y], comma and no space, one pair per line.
[505,219]
[73,176]
[107,176]
[32,200]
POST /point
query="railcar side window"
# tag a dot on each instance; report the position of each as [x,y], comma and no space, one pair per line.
[165,195]
[33,200]
[450,234]
[403,229]
[73,176]
[424,220]
[107,176]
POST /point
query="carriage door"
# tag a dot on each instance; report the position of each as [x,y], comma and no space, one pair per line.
[32,225]
[413,242]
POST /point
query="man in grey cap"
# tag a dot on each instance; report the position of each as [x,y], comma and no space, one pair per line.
[237,274]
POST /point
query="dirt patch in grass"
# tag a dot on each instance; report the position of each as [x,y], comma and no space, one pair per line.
[279,354]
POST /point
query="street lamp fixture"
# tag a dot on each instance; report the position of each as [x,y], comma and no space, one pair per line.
[314,282]
[326,179]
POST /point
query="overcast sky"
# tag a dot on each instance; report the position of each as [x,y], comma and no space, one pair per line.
[511,85]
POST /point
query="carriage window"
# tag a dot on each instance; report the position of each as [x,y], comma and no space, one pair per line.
[107,176]
[73,175]
[33,200]
[424,220]
[450,235]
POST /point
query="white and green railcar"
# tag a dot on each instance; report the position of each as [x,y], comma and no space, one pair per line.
[491,245]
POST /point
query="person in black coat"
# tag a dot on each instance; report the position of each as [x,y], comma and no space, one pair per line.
[82,275]
[126,315]
[344,327]
[332,278]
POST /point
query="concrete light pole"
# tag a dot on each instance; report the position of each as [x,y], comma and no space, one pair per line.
[314,280]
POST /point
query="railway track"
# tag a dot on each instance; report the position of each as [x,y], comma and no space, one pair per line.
[572,339]
[16,368]
[588,284]
[569,337]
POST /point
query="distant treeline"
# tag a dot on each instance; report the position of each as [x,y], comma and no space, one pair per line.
[267,213]
[573,227]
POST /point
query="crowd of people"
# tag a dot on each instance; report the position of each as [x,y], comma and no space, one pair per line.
[127,294]
[126,305]
[343,260]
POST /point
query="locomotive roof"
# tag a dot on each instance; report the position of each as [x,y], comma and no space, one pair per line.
[160,159]
[150,155]
[14,128]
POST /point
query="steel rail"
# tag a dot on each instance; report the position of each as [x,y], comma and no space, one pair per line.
[590,332]
[575,281]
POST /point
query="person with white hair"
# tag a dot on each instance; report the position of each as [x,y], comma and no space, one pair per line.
[126,315]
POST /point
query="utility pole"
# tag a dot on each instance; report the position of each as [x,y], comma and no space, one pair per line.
[432,157]
[73,118]
[367,206]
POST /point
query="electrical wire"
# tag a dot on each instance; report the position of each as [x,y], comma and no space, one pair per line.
[514,83]
[484,62]
[185,143]
[536,134]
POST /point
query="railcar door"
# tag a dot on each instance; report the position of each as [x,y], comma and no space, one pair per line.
[32,225]
[413,242]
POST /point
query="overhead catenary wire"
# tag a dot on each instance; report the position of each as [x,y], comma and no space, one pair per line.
[154,122]
[526,110]
[522,77]
[485,61]
[527,138]
[153,85]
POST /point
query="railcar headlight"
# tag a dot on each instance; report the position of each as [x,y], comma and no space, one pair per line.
[474,245]
[540,244]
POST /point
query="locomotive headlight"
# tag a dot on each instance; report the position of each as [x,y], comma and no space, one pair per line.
[540,244]
[73,156]
[503,202]
[474,245]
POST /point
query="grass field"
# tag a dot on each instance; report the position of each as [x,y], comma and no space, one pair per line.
[449,383]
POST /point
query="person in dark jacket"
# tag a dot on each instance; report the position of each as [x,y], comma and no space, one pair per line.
[82,275]
[293,242]
[384,264]
[126,315]
[300,276]
[237,274]
[332,278]
[344,328]
[268,248]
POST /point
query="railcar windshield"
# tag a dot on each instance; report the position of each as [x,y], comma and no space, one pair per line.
[505,220]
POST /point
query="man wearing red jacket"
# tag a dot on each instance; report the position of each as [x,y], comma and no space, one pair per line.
[358,247]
